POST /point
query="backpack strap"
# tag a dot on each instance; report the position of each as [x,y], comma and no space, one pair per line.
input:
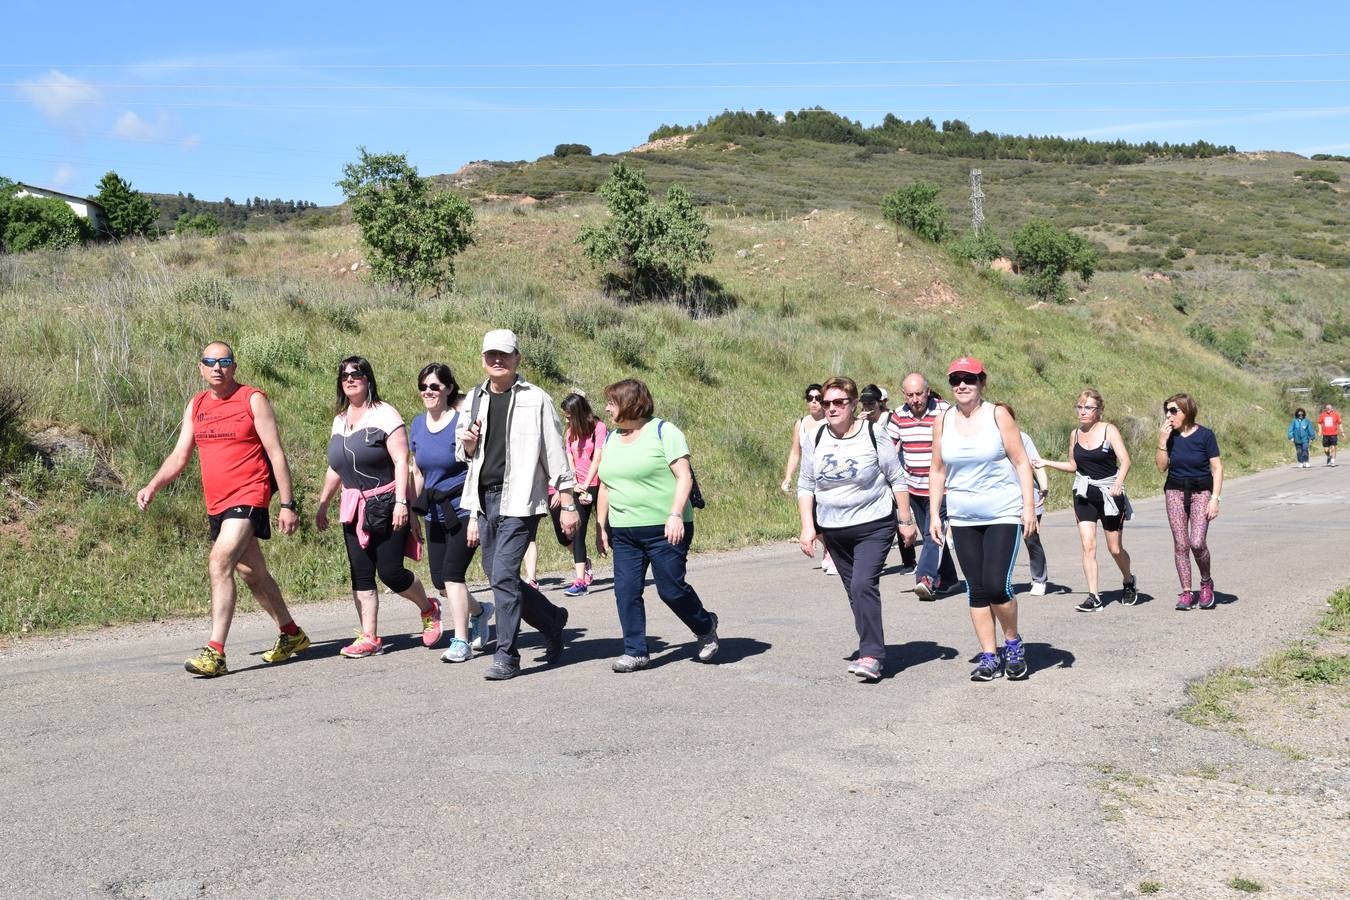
[871,432]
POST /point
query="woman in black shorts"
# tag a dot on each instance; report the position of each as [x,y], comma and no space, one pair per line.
[1099,462]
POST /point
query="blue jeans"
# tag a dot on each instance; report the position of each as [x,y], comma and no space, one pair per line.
[636,548]
[933,562]
[1301,451]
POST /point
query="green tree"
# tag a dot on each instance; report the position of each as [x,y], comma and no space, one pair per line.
[653,245]
[1044,253]
[30,223]
[571,150]
[413,234]
[201,223]
[915,206]
[129,211]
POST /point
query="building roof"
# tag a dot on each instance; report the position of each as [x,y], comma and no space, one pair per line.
[60,195]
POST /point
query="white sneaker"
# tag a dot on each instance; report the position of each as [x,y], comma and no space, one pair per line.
[828,567]
[1037,589]
[480,627]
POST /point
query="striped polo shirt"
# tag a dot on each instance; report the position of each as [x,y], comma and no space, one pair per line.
[913,436]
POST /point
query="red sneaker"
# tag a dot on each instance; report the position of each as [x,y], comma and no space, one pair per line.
[1207,594]
[431,624]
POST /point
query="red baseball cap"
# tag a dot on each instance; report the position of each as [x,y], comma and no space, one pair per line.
[966,364]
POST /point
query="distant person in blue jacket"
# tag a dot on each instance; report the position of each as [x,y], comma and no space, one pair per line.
[1301,435]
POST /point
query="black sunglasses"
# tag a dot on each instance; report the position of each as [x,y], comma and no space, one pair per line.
[815,397]
[1173,411]
[431,387]
[223,361]
[353,375]
[962,378]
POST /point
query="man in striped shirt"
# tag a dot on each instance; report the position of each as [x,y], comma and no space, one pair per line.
[910,429]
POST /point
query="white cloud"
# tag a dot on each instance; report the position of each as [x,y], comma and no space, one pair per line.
[63,175]
[1259,118]
[191,142]
[132,127]
[58,96]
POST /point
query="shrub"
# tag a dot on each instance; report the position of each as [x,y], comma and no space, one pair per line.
[1325,175]
[571,150]
[624,347]
[1335,329]
[688,359]
[1203,333]
[206,291]
[342,317]
[540,357]
[203,224]
[1180,302]
[1236,345]
[270,351]
[915,206]
[523,320]
[33,223]
[1044,253]
[1175,253]
[978,246]
[590,319]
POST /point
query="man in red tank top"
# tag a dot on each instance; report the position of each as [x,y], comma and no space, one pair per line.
[234,430]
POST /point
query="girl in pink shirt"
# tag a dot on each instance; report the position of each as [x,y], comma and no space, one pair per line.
[584,435]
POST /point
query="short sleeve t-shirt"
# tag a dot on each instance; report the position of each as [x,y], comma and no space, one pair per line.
[1330,422]
[1188,457]
[435,454]
[582,453]
[637,476]
[360,455]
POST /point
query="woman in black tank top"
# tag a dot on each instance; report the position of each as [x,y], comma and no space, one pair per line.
[1097,453]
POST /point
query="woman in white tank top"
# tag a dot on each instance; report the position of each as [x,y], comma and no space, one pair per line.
[981,470]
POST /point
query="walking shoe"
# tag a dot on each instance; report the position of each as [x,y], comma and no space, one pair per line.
[287,645]
[457,652]
[1015,660]
[1131,594]
[553,648]
[207,663]
[1184,601]
[576,588]
[364,645]
[1207,593]
[1037,589]
[868,669]
[500,671]
[707,643]
[923,587]
[905,570]
[431,623]
[630,663]
[987,669]
[480,627]
[827,566]
[1091,604]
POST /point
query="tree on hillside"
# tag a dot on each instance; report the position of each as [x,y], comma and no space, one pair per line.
[1044,253]
[201,223]
[130,212]
[915,206]
[653,245]
[412,233]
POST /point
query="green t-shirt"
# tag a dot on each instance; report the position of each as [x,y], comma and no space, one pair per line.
[637,476]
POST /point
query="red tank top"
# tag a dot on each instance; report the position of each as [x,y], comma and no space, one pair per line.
[235,468]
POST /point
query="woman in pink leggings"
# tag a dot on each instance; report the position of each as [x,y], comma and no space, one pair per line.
[1189,454]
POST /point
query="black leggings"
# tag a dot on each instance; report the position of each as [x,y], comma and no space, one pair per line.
[447,553]
[383,553]
[584,510]
[986,554]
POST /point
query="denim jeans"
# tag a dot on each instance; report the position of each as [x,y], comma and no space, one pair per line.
[636,548]
[933,561]
[504,539]
[1301,451]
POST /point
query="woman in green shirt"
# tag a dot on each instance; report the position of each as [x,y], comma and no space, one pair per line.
[644,514]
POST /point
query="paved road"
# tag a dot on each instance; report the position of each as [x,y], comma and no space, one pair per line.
[772,773]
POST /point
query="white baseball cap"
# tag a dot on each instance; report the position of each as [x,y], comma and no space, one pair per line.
[502,339]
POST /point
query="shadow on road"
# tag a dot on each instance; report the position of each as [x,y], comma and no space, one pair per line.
[914,653]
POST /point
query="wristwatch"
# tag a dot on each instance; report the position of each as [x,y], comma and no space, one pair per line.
[571,507]
[291,505]
[401,502]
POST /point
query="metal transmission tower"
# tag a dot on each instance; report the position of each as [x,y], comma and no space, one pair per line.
[976,201]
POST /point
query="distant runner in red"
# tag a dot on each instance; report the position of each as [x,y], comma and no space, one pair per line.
[1329,423]
[234,430]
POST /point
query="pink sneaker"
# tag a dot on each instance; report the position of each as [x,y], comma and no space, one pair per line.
[364,645]
[1184,601]
[589,573]
[1207,594]
[431,624]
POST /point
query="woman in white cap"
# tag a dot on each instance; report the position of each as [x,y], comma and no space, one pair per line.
[981,470]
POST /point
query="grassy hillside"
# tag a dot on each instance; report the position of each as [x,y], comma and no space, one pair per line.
[104,339]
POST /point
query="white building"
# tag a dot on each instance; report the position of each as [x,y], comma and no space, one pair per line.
[84,207]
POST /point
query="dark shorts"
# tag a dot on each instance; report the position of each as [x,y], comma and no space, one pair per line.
[1092,508]
[1329,440]
[258,515]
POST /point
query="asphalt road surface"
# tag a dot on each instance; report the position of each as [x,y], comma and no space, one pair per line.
[769,773]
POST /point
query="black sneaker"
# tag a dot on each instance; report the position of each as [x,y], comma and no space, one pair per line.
[1091,604]
[501,672]
[554,646]
[987,669]
[1130,596]
[1015,660]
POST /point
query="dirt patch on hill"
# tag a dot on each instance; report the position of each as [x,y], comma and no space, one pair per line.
[674,142]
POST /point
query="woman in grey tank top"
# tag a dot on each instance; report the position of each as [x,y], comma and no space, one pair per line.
[979,466]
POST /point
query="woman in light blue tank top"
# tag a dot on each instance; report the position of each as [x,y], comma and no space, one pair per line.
[982,471]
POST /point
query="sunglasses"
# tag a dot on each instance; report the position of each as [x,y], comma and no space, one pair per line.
[431,387]
[353,375]
[1173,411]
[812,398]
[212,361]
[837,401]
[962,378]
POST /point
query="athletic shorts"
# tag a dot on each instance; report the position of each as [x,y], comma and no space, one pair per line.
[1092,508]
[258,515]
[1329,440]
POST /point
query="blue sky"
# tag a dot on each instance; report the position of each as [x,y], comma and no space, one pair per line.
[270,99]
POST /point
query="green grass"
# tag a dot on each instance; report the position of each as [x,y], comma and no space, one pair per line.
[1150,887]
[104,339]
[1246,885]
